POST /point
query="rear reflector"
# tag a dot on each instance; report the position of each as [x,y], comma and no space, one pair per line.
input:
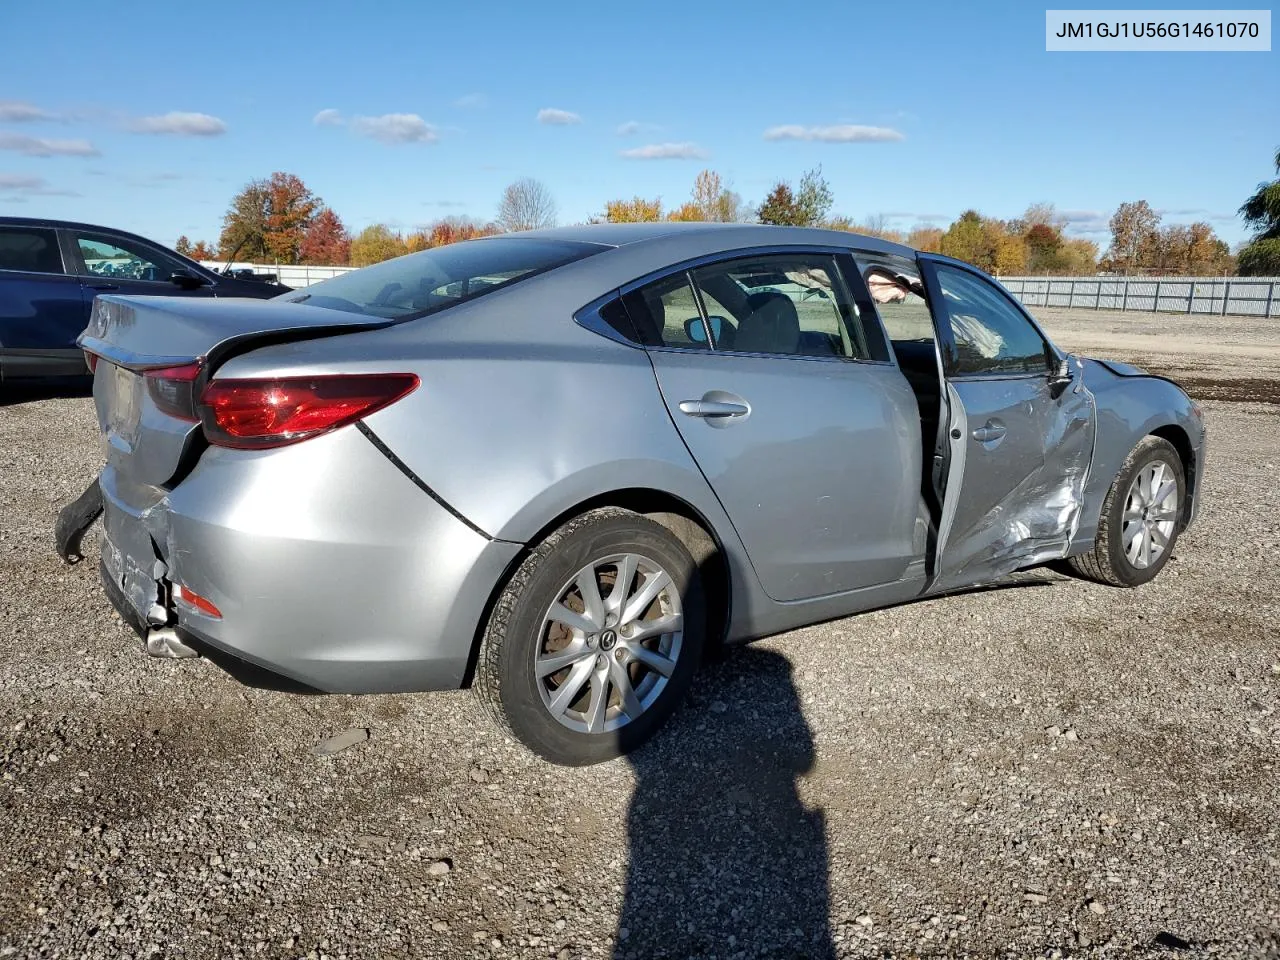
[91,359]
[188,597]
[173,389]
[251,414]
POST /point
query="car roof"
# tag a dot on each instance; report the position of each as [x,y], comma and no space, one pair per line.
[747,234]
[75,225]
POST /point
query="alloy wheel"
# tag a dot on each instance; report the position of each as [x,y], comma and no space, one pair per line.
[1150,514]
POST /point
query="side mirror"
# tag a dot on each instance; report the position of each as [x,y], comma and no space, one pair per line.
[695,331]
[186,280]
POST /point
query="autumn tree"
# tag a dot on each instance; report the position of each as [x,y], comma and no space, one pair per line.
[635,210]
[526,204]
[244,225]
[448,230]
[1134,234]
[183,246]
[1261,212]
[876,225]
[925,239]
[326,241]
[268,219]
[713,200]
[375,243]
[201,251]
[779,206]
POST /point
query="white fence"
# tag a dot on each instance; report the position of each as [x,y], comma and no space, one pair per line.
[1241,296]
[289,276]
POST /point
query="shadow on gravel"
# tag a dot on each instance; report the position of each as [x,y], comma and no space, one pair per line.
[29,391]
[724,857]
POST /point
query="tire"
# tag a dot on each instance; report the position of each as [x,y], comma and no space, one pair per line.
[1109,561]
[544,712]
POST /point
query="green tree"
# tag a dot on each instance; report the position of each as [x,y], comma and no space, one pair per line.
[244,225]
[814,198]
[779,207]
[375,243]
[969,240]
[183,246]
[1261,257]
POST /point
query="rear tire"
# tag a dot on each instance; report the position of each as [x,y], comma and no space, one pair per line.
[581,678]
[1141,518]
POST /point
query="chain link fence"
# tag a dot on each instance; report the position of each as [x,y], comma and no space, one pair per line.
[1238,296]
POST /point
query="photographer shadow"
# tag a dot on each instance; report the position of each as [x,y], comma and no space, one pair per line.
[724,857]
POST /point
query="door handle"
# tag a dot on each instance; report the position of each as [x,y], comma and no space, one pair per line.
[104,286]
[991,431]
[716,409]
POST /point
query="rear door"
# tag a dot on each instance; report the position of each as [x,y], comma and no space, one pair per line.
[40,307]
[1020,444]
[109,263]
[804,428]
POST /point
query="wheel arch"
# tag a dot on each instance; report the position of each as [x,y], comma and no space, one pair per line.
[1181,442]
[677,515]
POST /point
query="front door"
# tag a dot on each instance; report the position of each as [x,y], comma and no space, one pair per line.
[114,264]
[809,441]
[1020,441]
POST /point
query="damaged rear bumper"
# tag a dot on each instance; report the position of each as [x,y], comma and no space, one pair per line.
[348,580]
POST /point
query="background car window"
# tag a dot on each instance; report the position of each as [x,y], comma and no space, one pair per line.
[666,312]
[794,305]
[31,251]
[991,334]
[124,261]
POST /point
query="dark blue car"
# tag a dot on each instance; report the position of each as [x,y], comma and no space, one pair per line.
[51,270]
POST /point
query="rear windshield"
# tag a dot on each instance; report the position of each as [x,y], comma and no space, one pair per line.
[434,279]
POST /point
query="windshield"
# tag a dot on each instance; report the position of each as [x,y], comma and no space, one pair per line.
[434,279]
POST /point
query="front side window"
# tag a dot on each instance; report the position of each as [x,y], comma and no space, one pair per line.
[121,260]
[29,250]
[992,336]
[786,304]
[434,279]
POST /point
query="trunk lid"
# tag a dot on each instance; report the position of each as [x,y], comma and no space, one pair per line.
[131,336]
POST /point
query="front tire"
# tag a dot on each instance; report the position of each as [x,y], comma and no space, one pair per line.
[594,640]
[1141,518]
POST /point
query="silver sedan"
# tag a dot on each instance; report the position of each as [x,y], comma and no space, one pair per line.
[560,466]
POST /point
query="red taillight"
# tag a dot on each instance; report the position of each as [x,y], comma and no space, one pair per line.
[173,389]
[278,411]
[190,598]
[91,360]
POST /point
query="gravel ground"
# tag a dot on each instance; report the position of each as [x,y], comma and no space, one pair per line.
[1051,768]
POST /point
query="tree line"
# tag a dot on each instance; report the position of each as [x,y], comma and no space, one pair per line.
[279,220]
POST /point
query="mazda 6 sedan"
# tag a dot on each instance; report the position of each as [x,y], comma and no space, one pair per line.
[559,466]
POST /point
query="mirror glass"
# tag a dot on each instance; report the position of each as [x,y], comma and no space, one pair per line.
[696,332]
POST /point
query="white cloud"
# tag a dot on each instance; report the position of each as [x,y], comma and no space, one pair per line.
[41,147]
[328,118]
[30,186]
[180,124]
[17,111]
[395,128]
[471,101]
[839,133]
[665,151]
[557,118]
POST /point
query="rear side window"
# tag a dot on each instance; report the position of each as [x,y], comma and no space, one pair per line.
[432,280]
[29,250]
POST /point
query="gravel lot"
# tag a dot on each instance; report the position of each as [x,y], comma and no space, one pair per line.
[1053,768]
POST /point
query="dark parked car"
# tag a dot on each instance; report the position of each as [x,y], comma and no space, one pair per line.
[51,270]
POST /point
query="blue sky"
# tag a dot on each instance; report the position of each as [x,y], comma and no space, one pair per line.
[968,110]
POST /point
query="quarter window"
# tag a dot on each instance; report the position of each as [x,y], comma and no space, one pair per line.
[991,334]
[124,261]
[29,250]
[666,314]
